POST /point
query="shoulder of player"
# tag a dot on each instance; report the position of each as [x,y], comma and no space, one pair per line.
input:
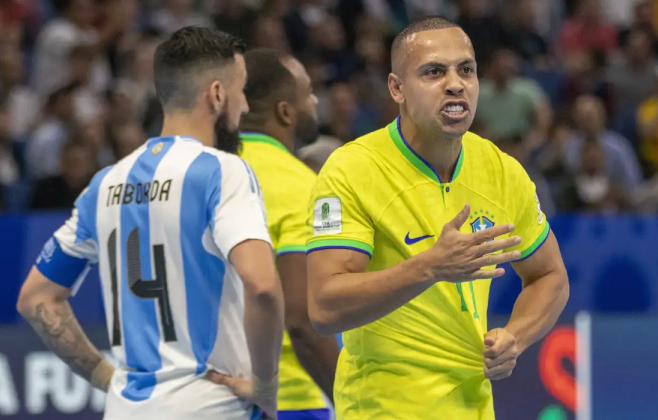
[356,156]
[488,156]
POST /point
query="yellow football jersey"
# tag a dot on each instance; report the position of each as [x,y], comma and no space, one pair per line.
[377,196]
[286,183]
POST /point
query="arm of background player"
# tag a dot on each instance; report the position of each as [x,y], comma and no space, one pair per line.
[263,315]
[544,295]
[45,306]
[318,355]
[342,296]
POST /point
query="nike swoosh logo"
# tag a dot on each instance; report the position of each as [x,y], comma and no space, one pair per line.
[411,241]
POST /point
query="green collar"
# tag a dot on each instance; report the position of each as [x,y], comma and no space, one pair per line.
[262,138]
[417,160]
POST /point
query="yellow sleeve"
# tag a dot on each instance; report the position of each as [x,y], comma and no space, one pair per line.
[337,217]
[529,221]
[291,229]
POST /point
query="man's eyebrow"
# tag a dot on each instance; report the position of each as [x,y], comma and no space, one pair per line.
[468,61]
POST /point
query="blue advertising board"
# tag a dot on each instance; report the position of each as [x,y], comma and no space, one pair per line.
[610,260]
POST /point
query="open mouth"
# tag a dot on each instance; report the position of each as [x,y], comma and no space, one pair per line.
[455,111]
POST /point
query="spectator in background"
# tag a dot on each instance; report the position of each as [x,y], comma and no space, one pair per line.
[632,72]
[137,82]
[269,33]
[9,170]
[585,75]
[235,17]
[42,155]
[644,20]
[126,138]
[329,41]
[316,154]
[592,188]
[344,112]
[522,37]
[511,106]
[177,14]
[88,102]
[586,30]
[647,120]
[621,164]
[516,148]
[73,27]
[486,32]
[61,191]
[23,105]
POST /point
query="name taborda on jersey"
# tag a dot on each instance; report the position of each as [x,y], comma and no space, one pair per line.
[139,193]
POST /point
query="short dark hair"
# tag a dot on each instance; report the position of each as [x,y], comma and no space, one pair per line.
[269,80]
[426,23]
[185,54]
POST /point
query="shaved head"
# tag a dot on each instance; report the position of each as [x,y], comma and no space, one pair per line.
[427,23]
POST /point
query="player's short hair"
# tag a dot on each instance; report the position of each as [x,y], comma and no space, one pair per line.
[186,54]
[426,23]
[269,81]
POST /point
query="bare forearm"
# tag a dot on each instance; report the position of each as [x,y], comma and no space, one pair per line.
[264,329]
[352,300]
[537,309]
[60,331]
[318,356]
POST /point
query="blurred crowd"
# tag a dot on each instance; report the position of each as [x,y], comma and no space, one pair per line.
[568,87]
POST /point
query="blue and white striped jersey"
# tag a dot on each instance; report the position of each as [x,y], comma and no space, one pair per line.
[161,224]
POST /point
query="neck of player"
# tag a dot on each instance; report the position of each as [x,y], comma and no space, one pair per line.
[187,124]
[269,127]
[439,150]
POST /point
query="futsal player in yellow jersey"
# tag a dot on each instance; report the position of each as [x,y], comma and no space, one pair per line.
[408,224]
[282,110]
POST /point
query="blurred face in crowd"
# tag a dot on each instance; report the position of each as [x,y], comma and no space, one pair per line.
[524,13]
[62,106]
[588,10]
[234,106]
[592,158]
[343,101]
[80,64]
[11,67]
[504,66]
[472,8]
[121,108]
[78,165]
[589,114]
[372,51]
[306,114]
[128,138]
[179,7]
[142,64]
[639,47]
[435,81]
[82,12]
[5,127]
[329,35]
[269,33]
[644,13]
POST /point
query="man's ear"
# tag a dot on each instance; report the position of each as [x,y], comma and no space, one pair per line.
[217,96]
[285,113]
[395,88]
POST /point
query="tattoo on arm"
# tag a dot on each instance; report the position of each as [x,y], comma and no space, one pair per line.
[61,332]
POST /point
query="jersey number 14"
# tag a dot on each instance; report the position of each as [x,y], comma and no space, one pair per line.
[141,288]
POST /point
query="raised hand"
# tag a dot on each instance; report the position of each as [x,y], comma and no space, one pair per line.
[457,257]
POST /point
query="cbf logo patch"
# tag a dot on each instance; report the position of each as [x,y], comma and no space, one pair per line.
[481,220]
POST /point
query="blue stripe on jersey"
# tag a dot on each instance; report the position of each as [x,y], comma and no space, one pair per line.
[251,179]
[139,320]
[204,272]
[86,205]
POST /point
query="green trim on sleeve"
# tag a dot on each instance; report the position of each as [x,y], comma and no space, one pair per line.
[290,248]
[537,243]
[339,243]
